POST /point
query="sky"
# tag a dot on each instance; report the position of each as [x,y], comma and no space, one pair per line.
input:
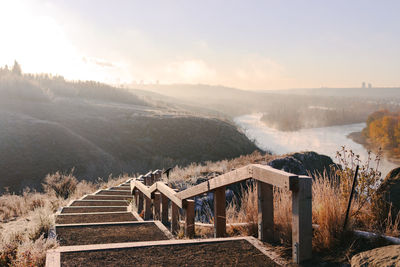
[251,44]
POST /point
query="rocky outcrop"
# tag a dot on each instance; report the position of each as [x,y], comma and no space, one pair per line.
[304,163]
[388,194]
[384,256]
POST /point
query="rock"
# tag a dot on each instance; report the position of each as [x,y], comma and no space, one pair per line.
[303,163]
[388,194]
[384,256]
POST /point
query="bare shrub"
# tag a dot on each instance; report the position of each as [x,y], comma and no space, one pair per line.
[62,185]
[33,253]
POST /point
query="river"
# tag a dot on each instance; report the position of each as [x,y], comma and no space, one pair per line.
[324,140]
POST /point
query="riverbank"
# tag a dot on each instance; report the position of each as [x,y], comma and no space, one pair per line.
[324,140]
[359,138]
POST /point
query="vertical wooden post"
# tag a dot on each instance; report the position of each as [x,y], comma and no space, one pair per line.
[147,208]
[219,212]
[164,209]
[156,206]
[147,180]
[140,202]
[174,218]
[265,211]
[302,220]
[189,220]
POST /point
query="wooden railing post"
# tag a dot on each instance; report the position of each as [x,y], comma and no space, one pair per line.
[156,206]
[265,211]
[219,212]
[302,220]
[140,202]
[174,218]
[147,208]
[164,209]
[189,221]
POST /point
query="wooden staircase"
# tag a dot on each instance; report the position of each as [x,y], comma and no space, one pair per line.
[100,229]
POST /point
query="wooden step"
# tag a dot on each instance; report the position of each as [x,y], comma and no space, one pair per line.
[238,251]
[107,197]
[114,192]
[92,209]
[100,203]
[124,188]
[100,217]
[102,233]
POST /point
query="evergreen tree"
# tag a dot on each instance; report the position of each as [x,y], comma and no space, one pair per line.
[16,69]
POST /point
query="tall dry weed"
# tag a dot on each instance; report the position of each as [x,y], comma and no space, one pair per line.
[244,211]
[61,184]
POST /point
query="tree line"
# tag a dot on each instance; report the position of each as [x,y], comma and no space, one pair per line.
[383,130]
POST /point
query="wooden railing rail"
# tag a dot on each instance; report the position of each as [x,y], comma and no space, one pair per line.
[148,187]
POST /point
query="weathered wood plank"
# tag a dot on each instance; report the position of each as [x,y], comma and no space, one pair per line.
[189,220]
[140,203]
[156,206]
[302,220]
[147,208]
[220,181]
[170,193]
[278,178]
[265,194]
[174,218]
[164,209]
[219,212]
[143,188]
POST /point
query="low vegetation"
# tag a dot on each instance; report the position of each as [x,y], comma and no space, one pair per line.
[330,191]
[25,220]
[383,131]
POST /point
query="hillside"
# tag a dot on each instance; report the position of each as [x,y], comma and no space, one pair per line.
[49,124]
[286,110]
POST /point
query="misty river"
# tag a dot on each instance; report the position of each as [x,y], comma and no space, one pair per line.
[324,140]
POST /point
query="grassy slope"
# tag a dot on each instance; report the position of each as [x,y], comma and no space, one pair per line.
[48,125]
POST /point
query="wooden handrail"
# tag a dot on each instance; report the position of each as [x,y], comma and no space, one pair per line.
[266,178]
[263,173]
[158,186]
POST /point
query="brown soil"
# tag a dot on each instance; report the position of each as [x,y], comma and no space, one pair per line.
[114,192]
[102,234]
[95,218]
[228,253]
[99,203]
[107,197]
[92,209]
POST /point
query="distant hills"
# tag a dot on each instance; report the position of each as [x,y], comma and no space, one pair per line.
[48,124]
[373,92]
[287,110]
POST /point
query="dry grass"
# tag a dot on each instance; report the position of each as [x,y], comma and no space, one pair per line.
[25,220]
[190,173]
[245,212]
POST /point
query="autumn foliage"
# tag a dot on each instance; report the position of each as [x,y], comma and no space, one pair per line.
[383,130]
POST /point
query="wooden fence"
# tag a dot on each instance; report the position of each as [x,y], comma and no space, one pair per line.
[152,197]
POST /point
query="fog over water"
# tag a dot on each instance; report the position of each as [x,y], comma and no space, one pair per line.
[325,140]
